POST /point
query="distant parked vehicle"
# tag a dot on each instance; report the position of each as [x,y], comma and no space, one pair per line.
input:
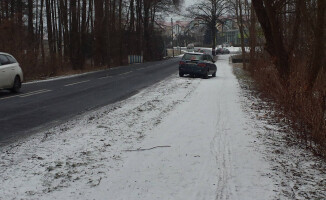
[11,75]
[225,51]
[190,47]
[206,51]
[197,64]
[226,44]
[219,51]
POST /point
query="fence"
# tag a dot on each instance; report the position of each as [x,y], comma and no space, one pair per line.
[135,59]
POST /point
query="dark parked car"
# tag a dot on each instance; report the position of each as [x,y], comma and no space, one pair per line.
[206,51]
[225,51]
[219,51]
[197,64]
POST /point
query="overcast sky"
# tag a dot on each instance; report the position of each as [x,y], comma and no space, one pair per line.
[184,6]
[189,2]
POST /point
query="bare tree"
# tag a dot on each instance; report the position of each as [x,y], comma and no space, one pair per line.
[270,21]
[208,12]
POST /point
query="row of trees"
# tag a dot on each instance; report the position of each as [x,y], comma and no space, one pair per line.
[53,34]
[291,28]
[292,68]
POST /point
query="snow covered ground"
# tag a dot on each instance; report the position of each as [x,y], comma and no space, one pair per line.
[182,138]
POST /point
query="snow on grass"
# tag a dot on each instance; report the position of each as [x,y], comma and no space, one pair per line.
[182,138]
[79,154]
[297,172]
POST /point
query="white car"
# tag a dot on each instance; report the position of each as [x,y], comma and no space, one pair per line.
[11,75]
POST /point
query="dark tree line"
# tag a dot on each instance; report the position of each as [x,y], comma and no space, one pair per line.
[293,66]
[51,35]
[293,27]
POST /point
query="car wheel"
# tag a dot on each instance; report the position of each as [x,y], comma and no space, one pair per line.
[205,76]
[214,74]
[181,74]
[17,85]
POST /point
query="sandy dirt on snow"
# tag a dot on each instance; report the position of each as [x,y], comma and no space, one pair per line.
[182,138]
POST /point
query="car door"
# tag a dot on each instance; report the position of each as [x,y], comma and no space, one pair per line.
[205,58]
[212,64]
[12,67]
[5,71]
[209,63]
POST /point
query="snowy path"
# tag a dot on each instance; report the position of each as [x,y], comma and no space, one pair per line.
[211,154]
[206,149]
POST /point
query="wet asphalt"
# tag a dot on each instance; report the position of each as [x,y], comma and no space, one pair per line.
[44,104]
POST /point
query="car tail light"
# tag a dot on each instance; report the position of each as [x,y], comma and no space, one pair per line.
[181,63]
[201,64]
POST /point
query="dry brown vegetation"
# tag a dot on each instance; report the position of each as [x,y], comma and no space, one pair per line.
[304,106]
[291,69]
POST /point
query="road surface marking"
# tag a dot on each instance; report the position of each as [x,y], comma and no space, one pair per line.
[34,93]
[141,68]
[76,83]
[8,97]
[125,73]
[105,77]
[27,94]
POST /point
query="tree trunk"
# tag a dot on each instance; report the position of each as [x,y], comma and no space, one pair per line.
[41,34]
[240,19]
[83,31]
[267,18]
[139,26]
[30,22]
[75,40]
[120,33]
[147,54]
[98,57]
[252,36]
[132,16]
[319,43]
[49,26]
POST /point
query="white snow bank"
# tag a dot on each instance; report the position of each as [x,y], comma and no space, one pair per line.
[237,49]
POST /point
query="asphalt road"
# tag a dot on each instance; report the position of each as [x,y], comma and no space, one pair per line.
[44,104]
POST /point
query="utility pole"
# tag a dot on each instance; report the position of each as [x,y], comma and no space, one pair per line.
[172,36]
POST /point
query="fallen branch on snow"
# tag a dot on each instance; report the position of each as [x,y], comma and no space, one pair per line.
[148,148]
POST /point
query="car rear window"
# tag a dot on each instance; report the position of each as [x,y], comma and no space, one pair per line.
[192,57]
[209,58]
[4,60]
[206,51]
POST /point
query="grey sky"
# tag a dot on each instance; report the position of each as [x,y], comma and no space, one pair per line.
[189,2]
[184,6]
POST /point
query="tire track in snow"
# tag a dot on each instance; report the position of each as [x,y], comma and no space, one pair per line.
[221,147]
